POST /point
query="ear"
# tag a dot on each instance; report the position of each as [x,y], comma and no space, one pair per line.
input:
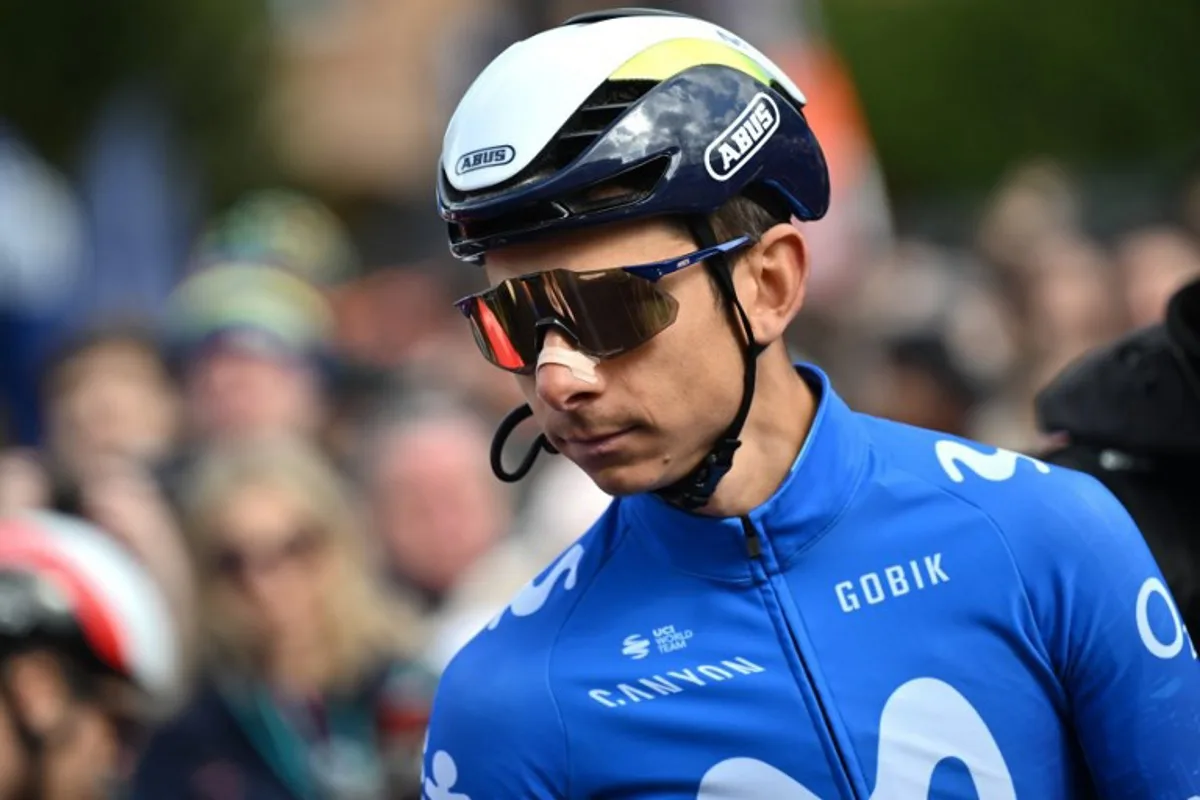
[771,281]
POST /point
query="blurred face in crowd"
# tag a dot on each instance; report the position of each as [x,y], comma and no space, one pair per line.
[1155,263]
[907,393]
[82,755]
[1073,300]
[114,399]
[273,561]
[437,506]
[654,412]
[235,392]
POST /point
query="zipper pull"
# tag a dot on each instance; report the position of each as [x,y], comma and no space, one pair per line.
[753,541]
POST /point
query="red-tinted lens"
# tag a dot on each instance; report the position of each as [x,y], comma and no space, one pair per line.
[493,339]
[608,312]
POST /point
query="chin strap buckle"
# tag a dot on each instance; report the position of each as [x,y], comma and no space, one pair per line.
[697,489]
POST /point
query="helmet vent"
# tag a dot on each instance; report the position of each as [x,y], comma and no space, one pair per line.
[598,112]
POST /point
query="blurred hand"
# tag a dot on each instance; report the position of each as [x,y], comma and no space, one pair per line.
[124,500]
[24,483]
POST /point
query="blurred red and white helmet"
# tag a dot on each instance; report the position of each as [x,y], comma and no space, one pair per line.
[67,586]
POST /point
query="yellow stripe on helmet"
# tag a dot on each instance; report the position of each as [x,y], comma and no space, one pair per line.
[669,58]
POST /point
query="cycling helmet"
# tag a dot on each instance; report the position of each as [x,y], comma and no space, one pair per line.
[68,587]
[674,114]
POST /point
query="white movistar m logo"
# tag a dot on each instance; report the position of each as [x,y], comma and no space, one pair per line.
[730,151]
[925,722]
[998,466]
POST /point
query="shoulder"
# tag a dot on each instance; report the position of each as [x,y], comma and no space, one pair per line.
[495,721]
[1017,491]
[1061,528]
[204,718]
[523,633]
[203,734]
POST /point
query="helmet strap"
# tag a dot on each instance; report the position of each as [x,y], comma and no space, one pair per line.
[695,489]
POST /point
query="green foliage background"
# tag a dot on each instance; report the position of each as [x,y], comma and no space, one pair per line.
[60,60]
[955,90]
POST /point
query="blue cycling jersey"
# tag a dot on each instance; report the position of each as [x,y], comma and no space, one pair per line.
[909,616]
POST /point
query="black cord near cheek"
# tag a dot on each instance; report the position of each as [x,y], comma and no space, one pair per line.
[696,488]
[503,432]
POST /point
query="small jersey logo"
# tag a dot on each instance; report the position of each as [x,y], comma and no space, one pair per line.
[484,157]
[998,466]
[734,148]
[636,647]
[669,639]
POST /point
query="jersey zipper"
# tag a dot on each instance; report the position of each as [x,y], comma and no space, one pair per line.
[754,547]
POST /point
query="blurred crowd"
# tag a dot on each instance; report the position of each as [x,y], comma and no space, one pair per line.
[275,406]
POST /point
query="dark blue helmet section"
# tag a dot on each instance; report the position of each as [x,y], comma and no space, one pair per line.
[685,147]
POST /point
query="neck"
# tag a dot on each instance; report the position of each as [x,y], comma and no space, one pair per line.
[296,667]
[775,430]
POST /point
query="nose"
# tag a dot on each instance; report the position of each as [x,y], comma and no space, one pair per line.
[559,386]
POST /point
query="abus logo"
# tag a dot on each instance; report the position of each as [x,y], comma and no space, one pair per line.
[636,647]
[487,157]
[741,140]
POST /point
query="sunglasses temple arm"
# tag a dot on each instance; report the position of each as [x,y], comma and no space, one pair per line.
[510,423]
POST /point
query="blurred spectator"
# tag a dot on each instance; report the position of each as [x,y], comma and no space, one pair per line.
[450,532]
[285,229]
[250,341]
[1072,300]
[919,383]
[78,693]
[436,505]
[1129,414]
[108,394]
[112,414]
[1036,201]
[310,686]
[1155,263]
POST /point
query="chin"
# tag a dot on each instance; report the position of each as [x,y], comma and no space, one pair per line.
[620,481]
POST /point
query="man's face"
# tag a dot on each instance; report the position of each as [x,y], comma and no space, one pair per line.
[114,399]
[654,412]
[439,509]
[233,393]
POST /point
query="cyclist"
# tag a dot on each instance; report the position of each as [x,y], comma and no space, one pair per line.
[88,659]
[787,599]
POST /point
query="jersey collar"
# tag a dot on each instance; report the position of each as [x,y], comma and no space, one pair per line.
[821,483]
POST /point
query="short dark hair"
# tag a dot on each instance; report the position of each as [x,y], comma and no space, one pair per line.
[748,215]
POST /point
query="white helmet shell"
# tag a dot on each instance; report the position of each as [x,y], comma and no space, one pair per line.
[517,104]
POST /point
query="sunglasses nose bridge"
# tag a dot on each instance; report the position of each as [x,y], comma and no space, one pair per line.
[557,327]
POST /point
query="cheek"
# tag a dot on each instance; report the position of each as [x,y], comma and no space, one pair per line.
[691,372]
